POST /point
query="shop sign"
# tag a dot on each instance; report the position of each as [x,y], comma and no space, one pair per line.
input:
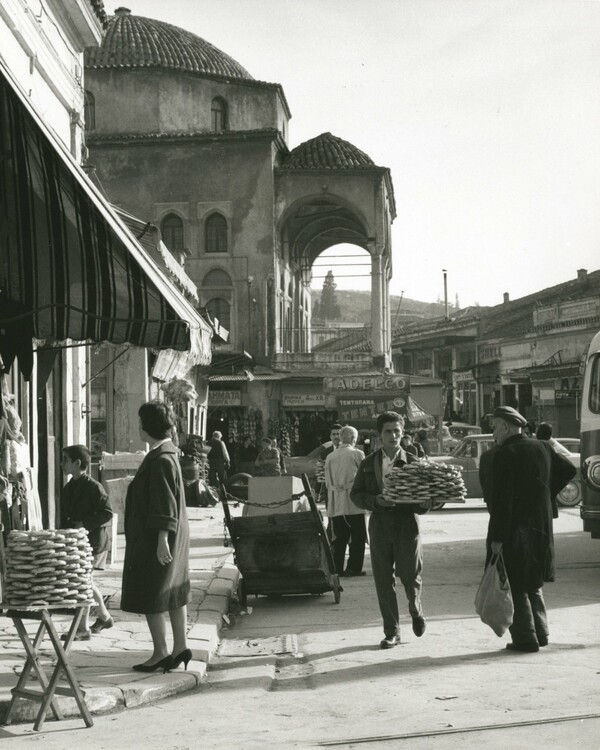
[291,400]
[225,398]
[567,396]
[388,383]
[354,409]
[172,364]
[462,377]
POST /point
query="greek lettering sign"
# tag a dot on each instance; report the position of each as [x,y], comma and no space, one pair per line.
[225,398]
[565,396]
[387,383]
[462,377]
[291,400]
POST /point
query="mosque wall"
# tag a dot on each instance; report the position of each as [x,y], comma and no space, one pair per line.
[162,101]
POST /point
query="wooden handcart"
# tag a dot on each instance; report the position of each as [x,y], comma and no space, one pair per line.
[283,553]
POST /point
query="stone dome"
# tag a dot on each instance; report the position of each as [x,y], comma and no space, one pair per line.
[327,151]
[137,42]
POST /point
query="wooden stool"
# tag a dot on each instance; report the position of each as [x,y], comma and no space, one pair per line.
[50,687]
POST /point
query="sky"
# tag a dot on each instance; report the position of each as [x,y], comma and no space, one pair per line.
[486,112]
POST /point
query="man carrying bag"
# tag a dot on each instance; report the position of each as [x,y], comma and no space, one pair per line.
[525,474]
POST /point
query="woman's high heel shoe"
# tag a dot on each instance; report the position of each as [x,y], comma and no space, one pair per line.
[185,656]
[165,664]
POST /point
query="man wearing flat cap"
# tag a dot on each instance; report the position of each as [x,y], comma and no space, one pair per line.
[526,474]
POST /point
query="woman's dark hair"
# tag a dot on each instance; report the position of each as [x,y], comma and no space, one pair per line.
[78,453]
[389,416]
[158,419]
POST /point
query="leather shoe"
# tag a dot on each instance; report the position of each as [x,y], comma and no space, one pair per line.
[100,625]
[524,647]
[390,641]
[354,573]
[419,626]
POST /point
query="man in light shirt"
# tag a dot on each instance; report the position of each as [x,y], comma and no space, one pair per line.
[346,520]
[395,542]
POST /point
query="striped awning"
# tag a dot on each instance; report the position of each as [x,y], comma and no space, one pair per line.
[69,268]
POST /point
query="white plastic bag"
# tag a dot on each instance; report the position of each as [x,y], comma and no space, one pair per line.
[493,602]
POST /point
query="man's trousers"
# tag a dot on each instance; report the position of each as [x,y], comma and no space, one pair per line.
[349,530]
[395,547]
[530,621]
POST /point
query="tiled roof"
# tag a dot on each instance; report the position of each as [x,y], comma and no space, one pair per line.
[137,42]
[327,151]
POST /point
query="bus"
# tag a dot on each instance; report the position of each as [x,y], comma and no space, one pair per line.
[590,441]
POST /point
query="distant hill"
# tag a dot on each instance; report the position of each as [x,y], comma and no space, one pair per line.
[355,307]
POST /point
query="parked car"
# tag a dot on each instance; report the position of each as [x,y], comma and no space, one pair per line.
[571,494]
[573,445]
[433,440]
[459,430]
[467,455]
[299,465]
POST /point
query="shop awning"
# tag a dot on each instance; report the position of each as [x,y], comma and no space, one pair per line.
[69,268]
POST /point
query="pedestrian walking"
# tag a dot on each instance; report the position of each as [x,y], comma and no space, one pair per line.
[85,504]
[334,437]
[524,475]
[218,460]
[347,520]
[394,537]
[156,577]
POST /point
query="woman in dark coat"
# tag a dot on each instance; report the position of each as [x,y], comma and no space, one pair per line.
[156,568]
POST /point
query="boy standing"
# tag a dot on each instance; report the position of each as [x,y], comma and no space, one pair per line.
[85,504]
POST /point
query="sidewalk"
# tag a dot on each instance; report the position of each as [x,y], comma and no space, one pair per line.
[103,665]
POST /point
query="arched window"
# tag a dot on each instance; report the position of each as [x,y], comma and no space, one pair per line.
[217,279]
[221,309]
[89,110]
[216,234]
[171,229]
[218,115]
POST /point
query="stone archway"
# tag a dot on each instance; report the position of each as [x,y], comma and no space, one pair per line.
[314,224]
[329,192]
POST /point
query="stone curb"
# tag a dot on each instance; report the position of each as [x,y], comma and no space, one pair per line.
[203,636]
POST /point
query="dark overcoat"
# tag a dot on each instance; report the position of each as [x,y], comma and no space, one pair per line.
[156,500]
[525,474]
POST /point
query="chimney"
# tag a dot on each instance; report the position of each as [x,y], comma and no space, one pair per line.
[581,274]
[506,298]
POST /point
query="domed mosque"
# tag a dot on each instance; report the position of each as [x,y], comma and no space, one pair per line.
[182,134]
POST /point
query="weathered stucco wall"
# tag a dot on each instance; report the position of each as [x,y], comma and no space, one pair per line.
[194,178]
[162,101]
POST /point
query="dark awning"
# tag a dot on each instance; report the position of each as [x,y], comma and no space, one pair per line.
[69,268]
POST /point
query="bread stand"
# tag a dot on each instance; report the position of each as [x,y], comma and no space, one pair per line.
[49,687]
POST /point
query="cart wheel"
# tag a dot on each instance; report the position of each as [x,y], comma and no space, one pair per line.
[337,589]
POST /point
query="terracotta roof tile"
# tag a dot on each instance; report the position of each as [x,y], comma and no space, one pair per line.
[137,42]
[327,151]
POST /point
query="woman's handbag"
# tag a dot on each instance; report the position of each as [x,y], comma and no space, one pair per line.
[493,602]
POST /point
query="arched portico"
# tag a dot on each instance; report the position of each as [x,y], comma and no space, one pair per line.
[331,193]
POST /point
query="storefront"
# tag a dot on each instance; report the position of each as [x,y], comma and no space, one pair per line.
[72,277]
[307,416]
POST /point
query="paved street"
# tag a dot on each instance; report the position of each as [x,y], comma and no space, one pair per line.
[338,687]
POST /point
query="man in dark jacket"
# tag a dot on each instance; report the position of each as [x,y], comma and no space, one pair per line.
[394,531]
[524,475]
[218,460]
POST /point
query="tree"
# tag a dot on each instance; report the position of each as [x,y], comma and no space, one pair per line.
[329,308]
